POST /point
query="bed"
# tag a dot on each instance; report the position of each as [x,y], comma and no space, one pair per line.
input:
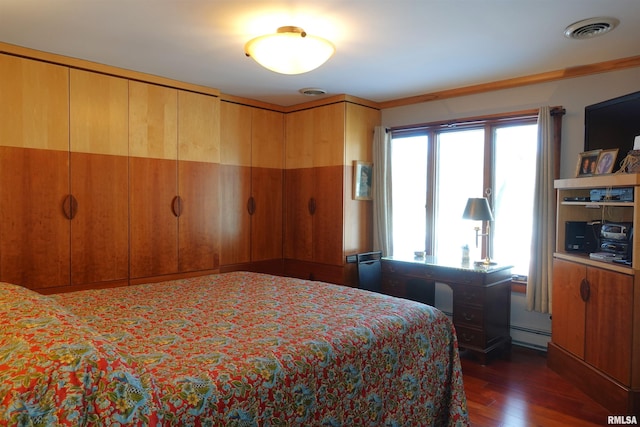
[237,349]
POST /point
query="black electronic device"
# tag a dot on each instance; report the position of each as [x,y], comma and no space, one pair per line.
[612,124]
[582,236]
[617,238]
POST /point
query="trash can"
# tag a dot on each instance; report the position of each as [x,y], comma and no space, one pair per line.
[369,271]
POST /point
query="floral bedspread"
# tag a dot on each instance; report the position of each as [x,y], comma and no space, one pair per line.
[245,349]
[55,371]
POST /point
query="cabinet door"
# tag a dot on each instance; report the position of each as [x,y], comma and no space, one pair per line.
[34,172]
[235,183]
[34,232]
[329,216]
[99,177]
[267,163]
[100,227]
[568,320]
[198,168]
[609,325]
[298,218]
[152,180]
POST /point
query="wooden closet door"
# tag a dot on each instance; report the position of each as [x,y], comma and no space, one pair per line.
[34,232]
[198,229]
[267,180]
[299,185]
[235,183]
[198,176]
[153,179]
[99,177]
[329,217]
[154,225]
[34,172]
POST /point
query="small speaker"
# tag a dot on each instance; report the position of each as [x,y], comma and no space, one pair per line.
[574,236]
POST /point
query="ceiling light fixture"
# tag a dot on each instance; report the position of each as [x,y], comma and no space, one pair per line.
[289,51]
[592,27]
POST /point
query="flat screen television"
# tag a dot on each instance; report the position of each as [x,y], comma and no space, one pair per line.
[613,124]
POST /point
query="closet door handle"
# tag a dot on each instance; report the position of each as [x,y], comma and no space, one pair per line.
[70,206]
[585,290]
[176,206]
[251,205]
[312,206]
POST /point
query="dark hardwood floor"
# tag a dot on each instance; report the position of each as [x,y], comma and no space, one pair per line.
[523,392]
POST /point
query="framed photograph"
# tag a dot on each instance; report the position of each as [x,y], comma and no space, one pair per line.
[606,161]
[362,174]
[587,163]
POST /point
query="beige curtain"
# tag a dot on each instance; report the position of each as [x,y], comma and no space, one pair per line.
[539,282]
[381,187]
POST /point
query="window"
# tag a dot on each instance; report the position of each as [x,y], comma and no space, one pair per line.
[436,168]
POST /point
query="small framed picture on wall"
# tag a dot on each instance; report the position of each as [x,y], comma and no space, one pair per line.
[362,174]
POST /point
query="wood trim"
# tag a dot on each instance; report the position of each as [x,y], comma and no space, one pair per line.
[601,388]
[566,73]
[82,64]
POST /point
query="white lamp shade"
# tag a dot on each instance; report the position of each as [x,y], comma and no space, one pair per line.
[289,51]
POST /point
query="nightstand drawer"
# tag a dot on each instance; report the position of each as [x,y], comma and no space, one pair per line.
[469,295]
[468,315]
[470,337]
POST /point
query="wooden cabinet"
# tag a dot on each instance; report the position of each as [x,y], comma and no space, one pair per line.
[252,160]
[99,178]
[322,222]
[596,305]
[34,173]
[595,308]
[198,182]
[173,197]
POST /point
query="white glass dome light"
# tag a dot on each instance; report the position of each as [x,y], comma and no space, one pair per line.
[289,51]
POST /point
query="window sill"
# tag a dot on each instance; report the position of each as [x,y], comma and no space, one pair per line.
[519,286]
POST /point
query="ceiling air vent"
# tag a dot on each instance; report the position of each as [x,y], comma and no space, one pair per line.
[312,91]
[588,28]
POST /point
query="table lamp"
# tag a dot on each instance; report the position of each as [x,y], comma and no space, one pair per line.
[478,209]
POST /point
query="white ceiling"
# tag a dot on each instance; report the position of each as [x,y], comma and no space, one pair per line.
[385,49]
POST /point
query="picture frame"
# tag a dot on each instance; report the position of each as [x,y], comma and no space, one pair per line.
[587,163]
[362,180]
[606,161]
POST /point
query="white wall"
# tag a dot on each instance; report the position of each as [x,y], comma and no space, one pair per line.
[527,328]
[572,94]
